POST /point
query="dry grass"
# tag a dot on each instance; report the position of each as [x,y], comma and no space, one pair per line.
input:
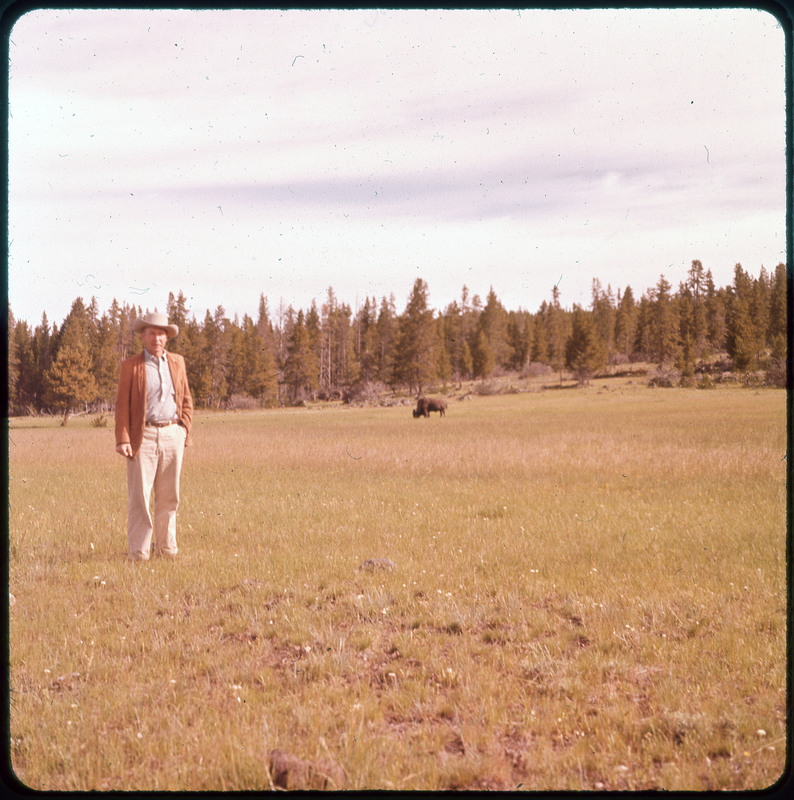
[589,592]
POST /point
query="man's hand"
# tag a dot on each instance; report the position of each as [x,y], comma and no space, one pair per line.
[124,449]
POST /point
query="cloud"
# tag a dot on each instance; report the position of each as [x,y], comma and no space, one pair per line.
[305,148]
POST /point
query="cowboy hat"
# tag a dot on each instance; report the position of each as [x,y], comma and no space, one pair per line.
[155,320]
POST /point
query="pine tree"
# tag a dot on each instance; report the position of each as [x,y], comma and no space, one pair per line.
[466,362]
[261,378]
[519,337]
[778,317]
[43,347]
[642,333]
[540,347]
[189,344]
[70,382]
[121,318]
[482,356]
[759,315]
[22,398]
[346,366]
[686,357]
[740,337]
[13,355]
[415,359]
[604,314]
[697,286]
[470,309]
[387,325]
[333,342]
[444,366]
[76,329]
[236,373]
[556,333]
[213,362]
[282,331]
[625,323]
[301,370]
[714,317]
[318,334]
[493,322]
[366,340]
[267,338]
[263,325]
[585,351]
[686,324]
[177,312]
[453,338]
[663,324]
[105,362]
[200,380]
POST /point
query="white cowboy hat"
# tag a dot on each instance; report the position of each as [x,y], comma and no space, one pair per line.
[155,320]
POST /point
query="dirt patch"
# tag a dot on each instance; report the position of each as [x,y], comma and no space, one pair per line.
[375,564]
[287,771]
[240,636]
[66,682]
[455,745]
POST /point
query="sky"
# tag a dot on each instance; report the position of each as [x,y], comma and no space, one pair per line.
[230,154]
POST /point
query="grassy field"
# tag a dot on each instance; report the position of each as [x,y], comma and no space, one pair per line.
[587,590]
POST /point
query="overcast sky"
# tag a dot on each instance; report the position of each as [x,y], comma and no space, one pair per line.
[232,153]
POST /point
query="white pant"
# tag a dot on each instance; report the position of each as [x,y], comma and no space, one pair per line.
[157,466]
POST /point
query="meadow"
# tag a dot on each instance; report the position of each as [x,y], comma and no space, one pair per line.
[556,590]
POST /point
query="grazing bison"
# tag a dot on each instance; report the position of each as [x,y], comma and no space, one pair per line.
[424,405]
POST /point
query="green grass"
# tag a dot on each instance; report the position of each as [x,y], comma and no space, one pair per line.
[590,592]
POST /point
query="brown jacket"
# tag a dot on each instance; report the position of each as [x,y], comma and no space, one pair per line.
[131,399]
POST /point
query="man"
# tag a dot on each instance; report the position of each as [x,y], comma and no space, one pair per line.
[154,412]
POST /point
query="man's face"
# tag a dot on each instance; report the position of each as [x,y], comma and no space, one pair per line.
[154,340]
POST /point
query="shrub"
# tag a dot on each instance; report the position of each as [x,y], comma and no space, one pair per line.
[776,375]
[705,383]
[365,392]
[753,379]
[241,402]
[666,377]
[488,388]
[535,369]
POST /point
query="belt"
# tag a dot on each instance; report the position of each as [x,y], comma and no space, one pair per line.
[163,424]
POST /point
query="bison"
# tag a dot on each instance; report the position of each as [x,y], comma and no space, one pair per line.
[424,405]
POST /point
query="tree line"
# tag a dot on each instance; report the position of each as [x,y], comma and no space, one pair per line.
[335,352]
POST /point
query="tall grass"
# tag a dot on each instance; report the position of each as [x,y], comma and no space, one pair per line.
[589,592]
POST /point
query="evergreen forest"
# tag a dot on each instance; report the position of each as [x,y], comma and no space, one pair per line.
[335,353]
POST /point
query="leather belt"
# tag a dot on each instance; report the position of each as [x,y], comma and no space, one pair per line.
[163,424]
